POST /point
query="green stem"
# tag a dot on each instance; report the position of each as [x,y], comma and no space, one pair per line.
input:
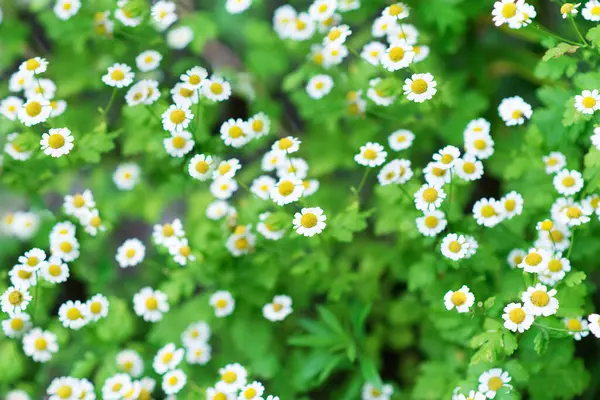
[572,21]
[363,180]
[547,32]
[550,328]
[571,245]
[110,102]
[450,195]
[154,114]
[36,296]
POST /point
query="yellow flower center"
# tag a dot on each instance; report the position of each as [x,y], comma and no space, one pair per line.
[235,132]
[257,125]
[557,236]
[574,212]
[96,307]
[596,10]
[64,392]
[320,85]
[78,201]
[229,377]
[184,92]
[40,344]
[566,8]
[589,102]
[117,75]
[16,324]
[396,54]
[179,142]
[202,167]
[95,221]
[574,325]
[54,270]
[308,220]
[167,357]
[194,79]
[431,221]
[510,204]
[509,10]
[554,266]
[488,211]
[277,307]
[32,64]
[56,141]
[533,259]
[454,246]
[547,225]
[458,298]
[517,114]
[395,10]
[185,251]
[517,316]
[286,188]
[221,303]
[173,380]
[540,298]
[334,34]
[418,86]
[66,247]
[250,393]
[370,154]
[241,243]
[568,181]
[220,396]
[33,108]
[151,303]
[73,314]
[32,261]
[216,88]
[15,298]
[430,195]
[480,144]
[469,167]
[438,171]
[24,274]
[177,116]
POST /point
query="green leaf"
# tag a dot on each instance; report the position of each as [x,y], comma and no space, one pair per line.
[541,341]
[575,278]
[560,50]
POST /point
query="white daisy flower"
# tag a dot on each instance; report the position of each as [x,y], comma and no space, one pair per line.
[179,143]
[92,222]
[227,168]
[58,108]
[201,167]
[514,110]
[137,94]
[237,6]
[117,386]
[25,225]
[477,127]
[260,125]
[578,327]
[167,358]
[20,80]
[480,146]
[10,106]
[73,314]
[491,381]
[64,387]
[527,12]
[177,118]
[432,223]
[127,14]
[15,299]
[34,258]
[380,95]
[130,253]
[223,188]
[14,149]
[591,11]
[287,190]
[163,14]
[148,60]
[372,52]
[468,168]
[516,318]
[194,77]
[401,139]
[233,377]
[235,132]
[293,166]
[217,210]
[240,244]
[196,333]
[429,197]
[334,54]
[57,142]
[283,19]
[130,362]
[403,34]
[268,230]
[223,303]
[40,345]
[420,87]
[167,233]
[150,304]
[421,52]
[488,212]
[370,392]
[594,324]
[216,88]
[36,110]
[309,221]
[371,155]
[16,325]
[252,391]
[319,86]
[396,171]
[152,92]
[396,10]
[178,38]
[34,66]
[23,276]
[217,393]
[97,307]
[436,173]
[568,182]
[508,12]
[181,252]
[512,204]
[539,300]
[383,25]
[462,299]
[66,248]
[184,94]
[127,176]
[198,353]
[278,309]
[575,215]
[536,260]
[44,88]
[337,35]
[454,246]
[261,187]
[515,257]
[118,76]
[397,56]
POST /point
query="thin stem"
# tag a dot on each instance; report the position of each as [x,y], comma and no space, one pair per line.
[153,114]
[577,30]
[408,196]
[363,180]
[110,102]
[36,295]
[571,245]
[450,194]
[550,328]
[197,119]
[540,28]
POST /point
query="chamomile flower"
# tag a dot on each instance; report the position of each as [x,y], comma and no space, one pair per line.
[370,392]
[163,14]
[152,92]
[252,391]
[401,139]
[436,173]
[20,80]
[130,362]
[372,52]
[66,248]
[334,54]
[514,110]
[40,345]
[432,223]
[216,88]
[117,386]
[319,86]
[554,162]
[538,300]
[177,118]
[527,12]
[278,309]
[64,387]
[23,276]
[309,221]
[223,188]
[488,212]
[118,76]
[592,202]
[379,94]
[217,393]
[36,110]
[15,299]
[16,325]
[34,66]
[73,314]
[371,155]
[57,142]
[403,34]
[235,132]
[420,87]
[260,125]
[237,6]
[578,327]
[568,182]
[397,56]
[201,167]
[287,190]
[126,14]
[268,230]
[491,381]
[148,60]
[594,324]
[321,10]
[429,197]
[454,246]
[16,394]
[569,9]
[198,353]
[181,252]
[591,11]
[178,38]
[179,143]
[536,260]
[14,148]
[462,299]
[383,25]
[515,257]
[227,168]
[150,304]
[396,171]
[508,12]
[283,19]
[396,10]
[167,358]
[575,215]
[468,168]
[184,94]
[137,94]
[194,77]
[337,34]
[167,233]
[559,206]
[240,244]
[44,88]
[223,303]
[130,253]
[58,108]
[127,176]
[92,222]
[480,146]
[261,187]
[233,377]
[34,258]
[512,205]
[195,333]
[218,209]
[25,224]
[476,128]
[10,106]
[97,307]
